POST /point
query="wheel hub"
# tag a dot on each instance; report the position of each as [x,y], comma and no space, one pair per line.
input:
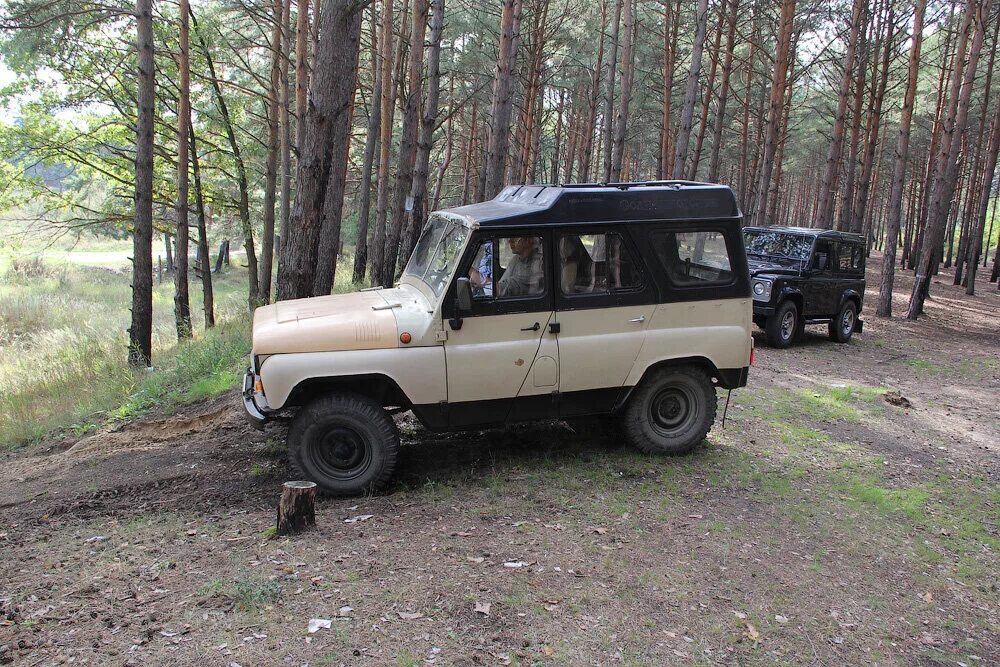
[670,408]
[342,453]
[787,324]
[847,325]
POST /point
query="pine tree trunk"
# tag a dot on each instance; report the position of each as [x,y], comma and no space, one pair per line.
[205,261]
[609,92]
[709,94]
[775,112]
[182,302]
[691,93]
[628,70]
[979,222]
[955,126]
[408,142]
[498,142]
[418,193]
[140,333]
[377,249]
[371,145]
[588,129]
[271,161]
[253,291]
[671,21]
[323,147]
[829,186]
[284,120]
[720,114]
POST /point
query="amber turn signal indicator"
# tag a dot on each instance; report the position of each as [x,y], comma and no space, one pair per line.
[258,386]
[405,337]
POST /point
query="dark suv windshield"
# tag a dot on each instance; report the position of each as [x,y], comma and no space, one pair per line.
[778,244]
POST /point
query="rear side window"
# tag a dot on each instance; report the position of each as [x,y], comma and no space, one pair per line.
[849,257]
[596,264]
[694,259]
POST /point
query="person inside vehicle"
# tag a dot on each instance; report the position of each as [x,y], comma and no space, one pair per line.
[481,275]
[525,274]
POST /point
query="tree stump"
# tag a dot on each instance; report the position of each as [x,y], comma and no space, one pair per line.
[297,507]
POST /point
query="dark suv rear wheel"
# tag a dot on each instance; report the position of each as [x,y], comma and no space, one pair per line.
[346,443]
[671,412]
[783,326]
[842,326]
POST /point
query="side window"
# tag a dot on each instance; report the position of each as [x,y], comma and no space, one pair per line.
[508,267]
[823,257]
[694,259]
[849,257]
[595,264]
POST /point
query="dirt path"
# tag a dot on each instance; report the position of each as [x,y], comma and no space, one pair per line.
[823,525]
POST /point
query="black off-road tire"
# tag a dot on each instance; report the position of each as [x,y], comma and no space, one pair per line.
[671,412]
[346,443]
[842,327]
[783,327]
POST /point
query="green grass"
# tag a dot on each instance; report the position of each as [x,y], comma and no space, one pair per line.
[63,348]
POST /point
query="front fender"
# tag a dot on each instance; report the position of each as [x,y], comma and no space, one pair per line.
[419,372]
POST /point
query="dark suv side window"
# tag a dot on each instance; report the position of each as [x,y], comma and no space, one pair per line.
[849,258]
[694,258]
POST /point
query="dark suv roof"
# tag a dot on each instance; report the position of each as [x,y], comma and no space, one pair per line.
[599,202]
[809,231]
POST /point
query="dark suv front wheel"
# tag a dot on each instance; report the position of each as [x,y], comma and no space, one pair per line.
[346,443]
[783,325]
[671,412]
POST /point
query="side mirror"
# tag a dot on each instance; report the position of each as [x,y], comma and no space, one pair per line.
[463,295]
[821,261]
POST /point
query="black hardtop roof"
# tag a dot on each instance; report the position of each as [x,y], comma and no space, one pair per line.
[603,202]
[809,231]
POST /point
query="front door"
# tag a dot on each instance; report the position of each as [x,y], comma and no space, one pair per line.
[819,291]
[493,357]
[603,306]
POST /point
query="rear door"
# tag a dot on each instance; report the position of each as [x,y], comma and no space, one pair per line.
[491,357]
[604,303]
[820,289]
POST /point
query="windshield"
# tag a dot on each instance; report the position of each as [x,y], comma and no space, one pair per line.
[778,244]
[437,252]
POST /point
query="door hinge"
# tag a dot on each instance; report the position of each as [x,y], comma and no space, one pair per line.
[441,336]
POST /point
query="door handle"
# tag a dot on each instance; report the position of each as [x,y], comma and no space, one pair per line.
[535,327]
[637,320]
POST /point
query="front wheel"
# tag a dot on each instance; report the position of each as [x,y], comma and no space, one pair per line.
[671,412]
[842,326]
[346,443]
[783,326]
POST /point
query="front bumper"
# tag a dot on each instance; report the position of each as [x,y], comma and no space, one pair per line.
[254,416]
[763,309]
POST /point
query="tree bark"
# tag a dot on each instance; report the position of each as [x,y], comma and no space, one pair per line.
[182,302]
[377,249]
[691,93]
[899,167]
[408,142]
[425,140]
[284,120]
[271,160]
[323,146]
[140,333]
[776,108]
[253,291]
[502,105]
[829,185]
[205,261]
[628,74]
[297,506]
[709,94]
[371,145]
[947,172]
[609,93]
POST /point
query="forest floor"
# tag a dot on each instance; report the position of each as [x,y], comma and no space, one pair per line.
[822,525]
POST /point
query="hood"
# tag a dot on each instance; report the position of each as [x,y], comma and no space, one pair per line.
[358,321]
[759,265]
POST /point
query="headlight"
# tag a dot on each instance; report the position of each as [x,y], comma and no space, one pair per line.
[761,289]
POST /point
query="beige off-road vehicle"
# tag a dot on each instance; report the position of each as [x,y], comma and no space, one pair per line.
[629,302]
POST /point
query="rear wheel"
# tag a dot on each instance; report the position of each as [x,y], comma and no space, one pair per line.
[783,326]
[671,412]
[842,326]
[346,443]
